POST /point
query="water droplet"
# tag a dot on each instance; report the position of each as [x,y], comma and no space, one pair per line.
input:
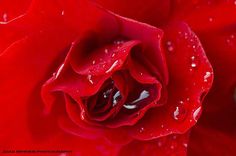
[112,66]
[113,55]
[116,98]
[193,62]
[193,65]
[159,143]
[169,46]
[89,77]
[106,51]
[141,130]
[196,113]
[185,35]
[234,2]
[4,17]
[179,113]
[107,93]
[62,12]
[94,62]
[185,145]
[172,147]
[174,137]
[176,113]
[143,95]
[162,126]
[63,154]
[141,73]
[82,115]
[128,106]
[206,76]
[210,19]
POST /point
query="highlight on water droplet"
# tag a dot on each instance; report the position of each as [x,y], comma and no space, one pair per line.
[180,112]
[89,77]
[132,105]
[62,12]
[93,62]
[141,129]
[107,93]
[210,19]
[106,51]
[169,46]
[193,65]
[4,17]
[196,113]
[116,98]
[206,76]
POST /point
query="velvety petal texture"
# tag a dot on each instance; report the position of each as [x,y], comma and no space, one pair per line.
[76,76]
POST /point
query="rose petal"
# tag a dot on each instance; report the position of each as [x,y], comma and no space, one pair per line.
[204,16]
[24,67]
[154,12]
[184,103]
[217,124]
[169,145]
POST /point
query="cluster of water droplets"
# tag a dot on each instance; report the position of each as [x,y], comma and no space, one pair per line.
[170,46]
[230,40]
[134,104]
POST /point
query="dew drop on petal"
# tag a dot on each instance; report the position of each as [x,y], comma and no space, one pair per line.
[113,55]
[62,12]
[63,154]
[132,105]
[106,51]
[172,147]
[159,143]
[169,46]
[116,98]
[93,62]
[89,77]
[179,113]
[206,76]
[185,145]
[193,65]
[82,115]
[210,19]
[193,62]
[128,106]
[196,113]
[107,93]
[4,17]
[141,130]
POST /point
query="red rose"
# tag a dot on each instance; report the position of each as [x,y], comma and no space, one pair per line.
[214,22]
[75,76]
